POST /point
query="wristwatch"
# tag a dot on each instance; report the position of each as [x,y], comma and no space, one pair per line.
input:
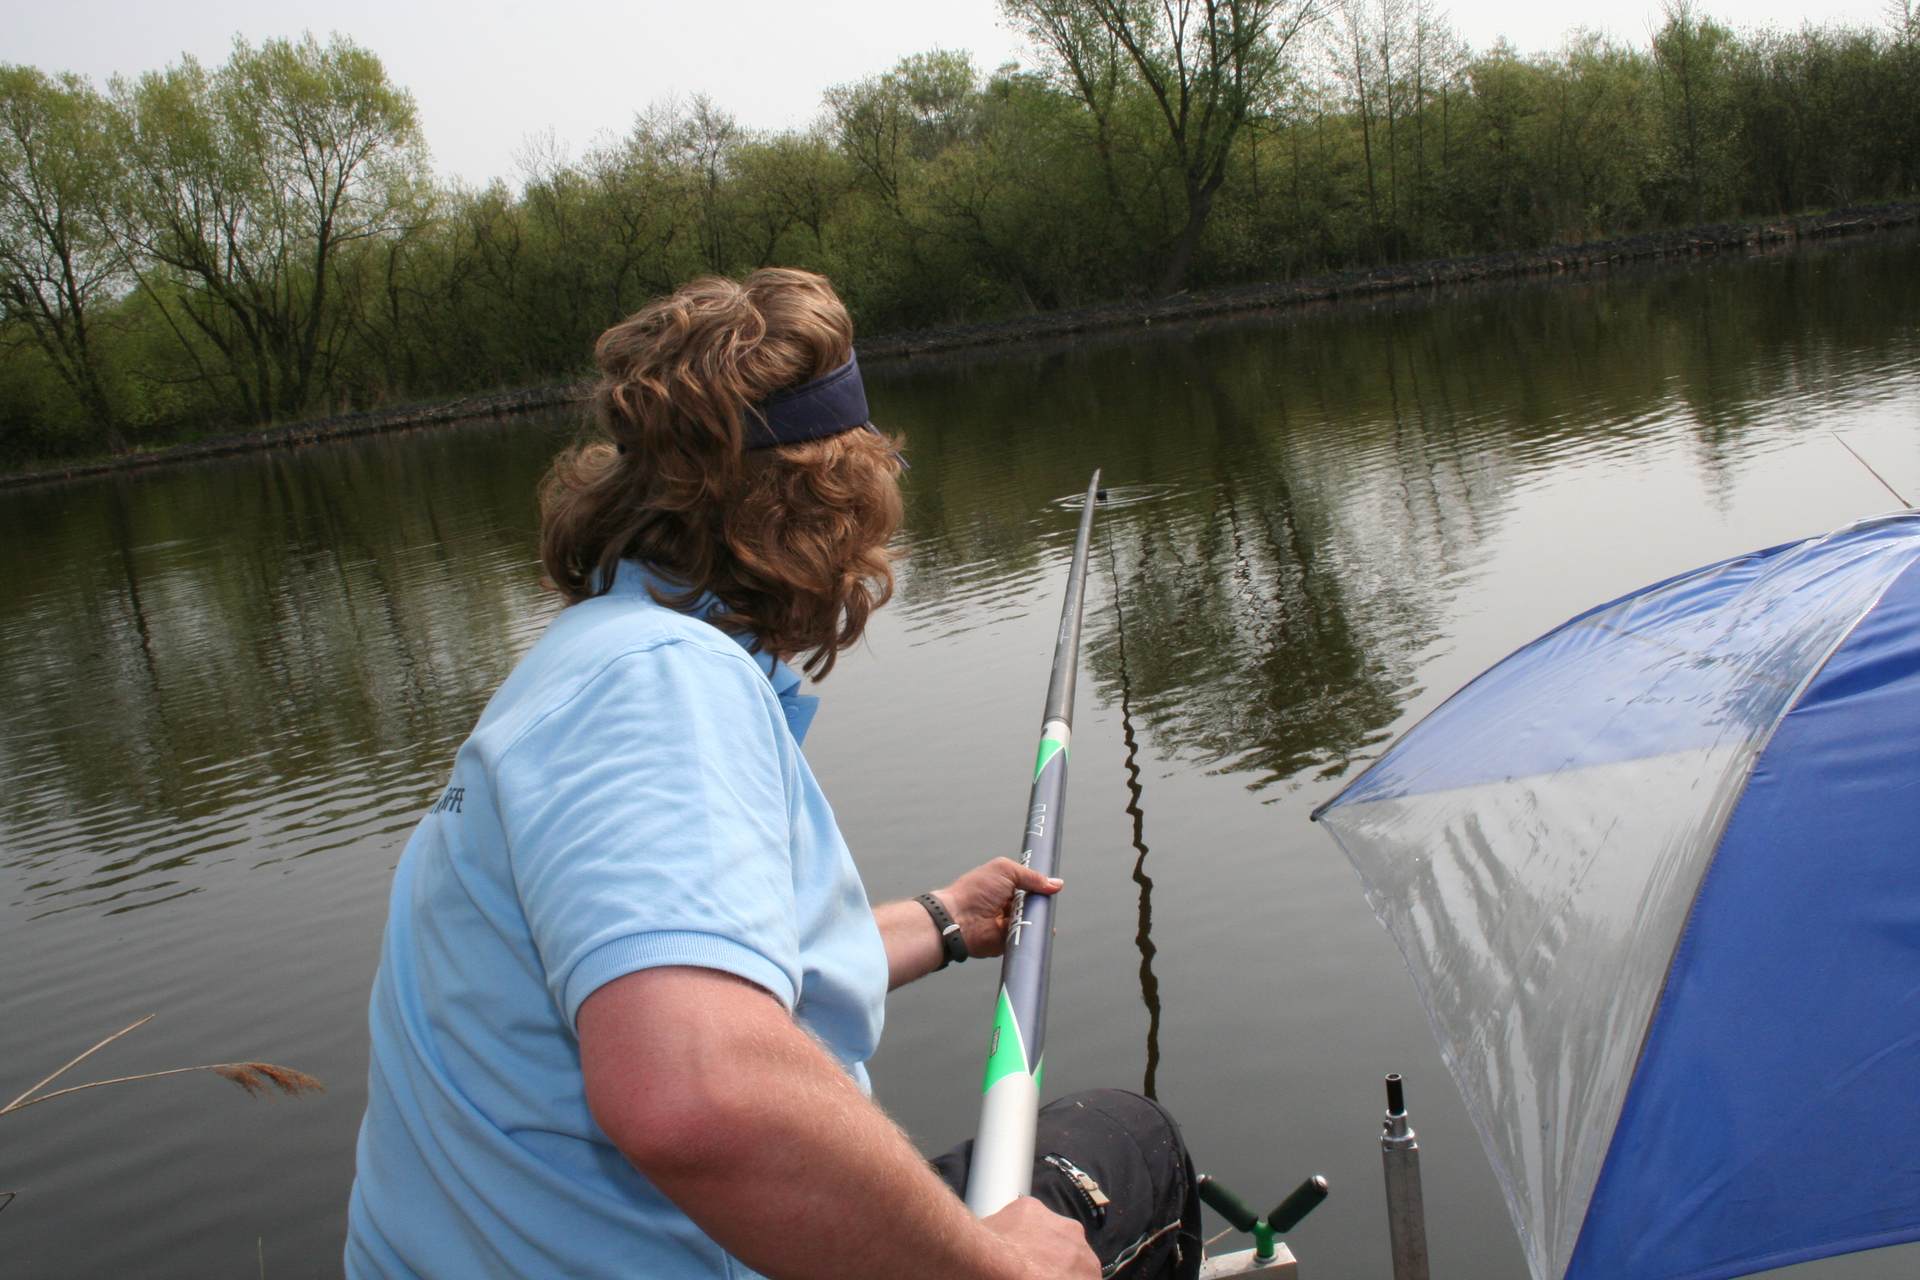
[952,944]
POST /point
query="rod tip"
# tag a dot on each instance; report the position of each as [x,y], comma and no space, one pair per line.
[1396,1095]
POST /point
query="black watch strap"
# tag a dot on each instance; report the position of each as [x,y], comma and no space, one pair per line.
[952,944]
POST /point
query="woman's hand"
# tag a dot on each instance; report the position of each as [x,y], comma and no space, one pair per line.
[981,902]
[1054,1247]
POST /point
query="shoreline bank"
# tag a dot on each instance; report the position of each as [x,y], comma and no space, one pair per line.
[1570,261]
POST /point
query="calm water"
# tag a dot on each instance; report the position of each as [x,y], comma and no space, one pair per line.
[227,691]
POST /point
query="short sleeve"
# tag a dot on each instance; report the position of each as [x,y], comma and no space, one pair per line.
[647,823]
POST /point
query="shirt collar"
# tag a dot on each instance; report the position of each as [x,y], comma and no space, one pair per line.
[633,577]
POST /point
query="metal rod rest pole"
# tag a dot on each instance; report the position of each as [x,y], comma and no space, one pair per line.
[1406,1212]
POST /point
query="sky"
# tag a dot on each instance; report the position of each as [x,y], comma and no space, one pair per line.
[489,74]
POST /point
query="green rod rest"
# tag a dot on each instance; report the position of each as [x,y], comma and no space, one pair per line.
[1304,1199]
[1286,1215]
[1226,1204]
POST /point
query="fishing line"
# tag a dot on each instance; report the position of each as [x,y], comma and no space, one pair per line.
[1143,934]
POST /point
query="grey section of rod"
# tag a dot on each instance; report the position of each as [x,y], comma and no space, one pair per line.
[1066,649]
[1002,1164]
[1024,971]
[1406,1211]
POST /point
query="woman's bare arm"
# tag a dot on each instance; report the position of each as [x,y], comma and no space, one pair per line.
[740,1118]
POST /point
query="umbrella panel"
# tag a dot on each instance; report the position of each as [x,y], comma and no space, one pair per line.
[1535,845]
[1519,962]
[1771,1119]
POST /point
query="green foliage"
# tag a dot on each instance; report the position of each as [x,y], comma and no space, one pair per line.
[58,265]
[1207,66]
[247,185]
[199,248]
[1694,59]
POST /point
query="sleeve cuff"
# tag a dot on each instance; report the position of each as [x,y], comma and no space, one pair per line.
[694,950]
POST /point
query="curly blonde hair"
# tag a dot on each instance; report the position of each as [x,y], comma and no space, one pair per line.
[793,539]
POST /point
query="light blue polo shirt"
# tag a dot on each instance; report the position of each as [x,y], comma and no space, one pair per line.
[634,795]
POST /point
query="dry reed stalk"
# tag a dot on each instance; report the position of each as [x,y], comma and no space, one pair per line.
[21,1101]
[255,1077]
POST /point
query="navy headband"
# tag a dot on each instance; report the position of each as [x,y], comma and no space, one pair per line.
[831,403]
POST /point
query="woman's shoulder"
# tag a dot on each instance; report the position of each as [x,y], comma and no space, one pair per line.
[621,649]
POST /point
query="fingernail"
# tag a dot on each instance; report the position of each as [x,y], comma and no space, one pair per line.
[1055,881]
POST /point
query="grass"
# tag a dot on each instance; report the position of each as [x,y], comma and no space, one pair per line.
[254,1077]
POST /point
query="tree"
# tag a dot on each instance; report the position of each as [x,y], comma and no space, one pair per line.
[1589,139]
[247,183]
[1088,60]
[697,144]
[1209,65]
[1357,63]
[870,126]
[1903,61]
[566,294]
[638,217]
[1432,59]
[790,181]
[908,115]
[1692,55]
[1507,98]
[58,260]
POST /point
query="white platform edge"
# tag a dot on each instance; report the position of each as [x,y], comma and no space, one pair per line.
[1282,1264]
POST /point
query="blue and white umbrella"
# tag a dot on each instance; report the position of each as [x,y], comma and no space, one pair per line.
[1657,877]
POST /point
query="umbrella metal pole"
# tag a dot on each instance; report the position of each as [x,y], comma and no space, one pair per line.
[1406,1212]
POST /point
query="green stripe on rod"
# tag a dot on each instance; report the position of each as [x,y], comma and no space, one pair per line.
[1008,1054]
[1002,1168]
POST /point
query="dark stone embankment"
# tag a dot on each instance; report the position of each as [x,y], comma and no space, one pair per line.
[1598,255]
[466,408]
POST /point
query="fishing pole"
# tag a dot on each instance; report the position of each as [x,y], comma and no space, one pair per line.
[1870,471]
[1002,1168]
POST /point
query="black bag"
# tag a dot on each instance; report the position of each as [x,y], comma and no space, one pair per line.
[1115,1161]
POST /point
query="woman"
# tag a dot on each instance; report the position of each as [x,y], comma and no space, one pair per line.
[630,977]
